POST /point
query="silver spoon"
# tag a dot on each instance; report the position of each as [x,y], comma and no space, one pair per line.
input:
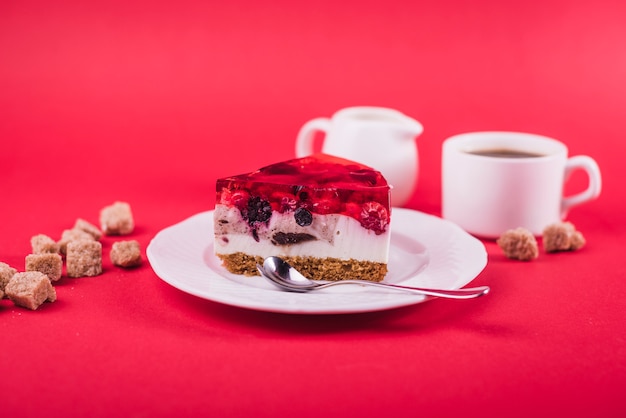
[283,275]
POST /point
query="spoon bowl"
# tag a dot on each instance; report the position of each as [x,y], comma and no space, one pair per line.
[286,277]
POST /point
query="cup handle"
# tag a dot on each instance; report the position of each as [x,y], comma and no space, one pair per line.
[304,140]
[590,166]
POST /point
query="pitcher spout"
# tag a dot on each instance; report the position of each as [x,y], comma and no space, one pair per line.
[412,128]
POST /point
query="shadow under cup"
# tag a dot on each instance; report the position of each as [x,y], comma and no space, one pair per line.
[496,181]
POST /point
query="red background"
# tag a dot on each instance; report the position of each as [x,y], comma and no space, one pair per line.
[149,102]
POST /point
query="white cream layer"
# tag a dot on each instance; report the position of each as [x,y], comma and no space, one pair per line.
[337,236]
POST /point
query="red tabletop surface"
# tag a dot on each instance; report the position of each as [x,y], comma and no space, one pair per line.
[150,102]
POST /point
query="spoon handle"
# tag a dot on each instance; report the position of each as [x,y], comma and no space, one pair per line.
[466,293]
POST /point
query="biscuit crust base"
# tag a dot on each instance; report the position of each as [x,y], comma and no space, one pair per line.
[331,269]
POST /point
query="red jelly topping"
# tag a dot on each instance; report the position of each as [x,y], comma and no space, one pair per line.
[317,184]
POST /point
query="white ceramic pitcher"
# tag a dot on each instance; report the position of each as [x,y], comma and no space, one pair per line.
[381,138]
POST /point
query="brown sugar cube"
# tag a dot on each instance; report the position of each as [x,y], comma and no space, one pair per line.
[30,289]
[519,244]
[42,244]
[70,235]
[117,219]
[49,264]
[6,272]
[126,253]
[84,258]
[562,236]
[91,229]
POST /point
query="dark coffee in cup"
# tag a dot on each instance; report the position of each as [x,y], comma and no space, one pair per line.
[504,153]
[496,181]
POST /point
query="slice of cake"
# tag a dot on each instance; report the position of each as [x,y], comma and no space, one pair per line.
[328,217]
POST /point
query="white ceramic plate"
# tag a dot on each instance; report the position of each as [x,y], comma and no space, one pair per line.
[426,251]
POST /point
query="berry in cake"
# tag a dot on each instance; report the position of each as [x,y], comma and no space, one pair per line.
[327,216]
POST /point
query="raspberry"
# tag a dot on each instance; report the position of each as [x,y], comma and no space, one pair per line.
[237,198]
[325,202]
[374,216]
[285,202]
[240,199]
[225,196]
[303,217]
[326,206]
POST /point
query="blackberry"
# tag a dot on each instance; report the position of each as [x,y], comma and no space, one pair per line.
[304,196]
[257,210]
[303,217]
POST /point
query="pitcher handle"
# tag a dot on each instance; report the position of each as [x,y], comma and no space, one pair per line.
[304,140]
[590,166]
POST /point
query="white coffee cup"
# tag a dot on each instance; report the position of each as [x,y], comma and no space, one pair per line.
[487,194]
[379,137]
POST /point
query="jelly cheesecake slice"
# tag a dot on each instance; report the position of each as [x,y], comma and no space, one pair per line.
[327,216]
